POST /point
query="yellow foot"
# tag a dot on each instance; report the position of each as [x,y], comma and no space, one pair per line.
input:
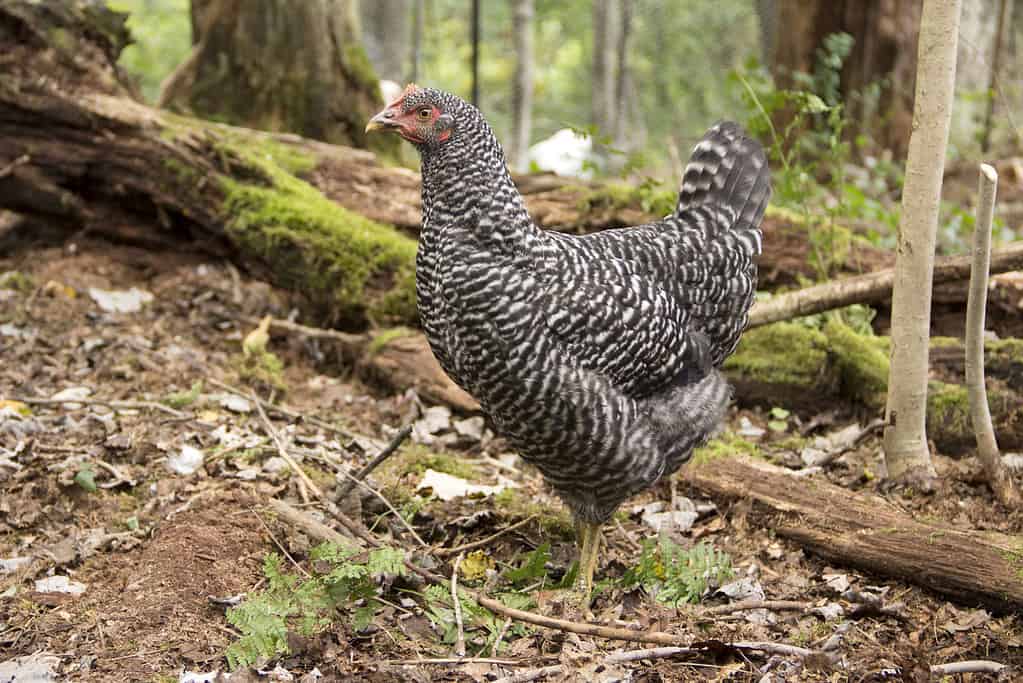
[589,549]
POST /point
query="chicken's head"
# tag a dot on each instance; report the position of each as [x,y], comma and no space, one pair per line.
[419,115]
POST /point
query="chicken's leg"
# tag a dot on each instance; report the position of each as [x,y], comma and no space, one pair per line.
[589,538]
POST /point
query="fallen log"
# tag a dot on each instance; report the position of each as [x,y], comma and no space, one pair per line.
[867,532]
[807,369]
[871,288]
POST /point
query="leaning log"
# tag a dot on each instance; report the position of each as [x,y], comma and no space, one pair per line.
[867,532]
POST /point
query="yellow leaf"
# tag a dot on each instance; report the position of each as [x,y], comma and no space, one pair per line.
[475,565]
[17,406]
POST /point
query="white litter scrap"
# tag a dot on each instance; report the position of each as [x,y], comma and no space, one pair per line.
[655,516]
[9,565]
[58,583]
[234,402]
[448,487]
[120,301]
[185,461]
[35,668]
[70,394]
[200,677]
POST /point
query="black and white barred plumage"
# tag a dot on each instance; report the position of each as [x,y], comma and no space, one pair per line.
[596,356]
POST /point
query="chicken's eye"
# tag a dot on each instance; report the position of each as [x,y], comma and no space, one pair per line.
[425,113]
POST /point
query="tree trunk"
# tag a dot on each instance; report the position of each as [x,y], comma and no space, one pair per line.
[386,31]
[522,88]
[622,96]
[885,34]
[280,66]
[602,96]
[418,27]
[905,440]
[869,533]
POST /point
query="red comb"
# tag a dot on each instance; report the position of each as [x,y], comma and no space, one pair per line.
[409,89]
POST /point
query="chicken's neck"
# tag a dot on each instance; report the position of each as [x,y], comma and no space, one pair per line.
[466,186]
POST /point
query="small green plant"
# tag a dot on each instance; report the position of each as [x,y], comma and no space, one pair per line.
[183,399]
[348,581]
[532,568]
[675,575]
[439,608]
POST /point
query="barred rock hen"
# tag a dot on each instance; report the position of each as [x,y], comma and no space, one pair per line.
[597,356]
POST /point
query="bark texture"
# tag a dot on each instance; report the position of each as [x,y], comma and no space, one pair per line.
[906,449]
[885,32]
[867,532]
[522,88]
[279,66]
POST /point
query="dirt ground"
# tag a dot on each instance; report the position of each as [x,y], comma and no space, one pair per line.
[88,492]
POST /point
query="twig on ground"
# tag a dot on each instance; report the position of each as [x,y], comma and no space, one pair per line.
[627,536]
[114,405]
[972,666]
[310,526]
[453,660]
[616,658]
[1001,482]
[283,452]
[119,477]
[279,546]
[446,552]
[532,674]
[500,636]
[840,450]
[286,412]
[390,507]
[460,638]
[353,343]
[361,475]
[778,605]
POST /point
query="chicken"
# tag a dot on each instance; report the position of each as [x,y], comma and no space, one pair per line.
[596,356]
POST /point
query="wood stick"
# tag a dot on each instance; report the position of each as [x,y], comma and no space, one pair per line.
[865,531]
[383,499]
[283,452]
[870,288]
[460,637]
[361,475]
[311,527]
[445,552]
[999,479]
[967,667]
[115,405]
[742,605]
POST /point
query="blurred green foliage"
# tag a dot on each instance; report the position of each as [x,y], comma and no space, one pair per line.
[691,63]
[162,30]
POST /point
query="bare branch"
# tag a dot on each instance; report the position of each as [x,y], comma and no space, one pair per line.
[999,479]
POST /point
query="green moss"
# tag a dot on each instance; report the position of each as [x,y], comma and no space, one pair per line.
[287,157]
[948,413]
[385,337]
[416,459]
[726,445]
[782,353]
[17,281]
[862,361]
[649,198]
[1015,558]
[554,520]
[358,66]
[262,367]
[318,247]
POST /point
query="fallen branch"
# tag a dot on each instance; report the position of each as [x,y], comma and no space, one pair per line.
[870,288]
[446,552]
[972,666]
[867,532]
[742,605]
[309,526]
[390,507]
[452,660]
[113,405]
[344,489]
[999,479]
[460,637]
[303,478]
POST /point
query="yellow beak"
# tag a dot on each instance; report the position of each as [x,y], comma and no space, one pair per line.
[382,121]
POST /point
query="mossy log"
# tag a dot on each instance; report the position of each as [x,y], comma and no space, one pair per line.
[807,369]
[867,532]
